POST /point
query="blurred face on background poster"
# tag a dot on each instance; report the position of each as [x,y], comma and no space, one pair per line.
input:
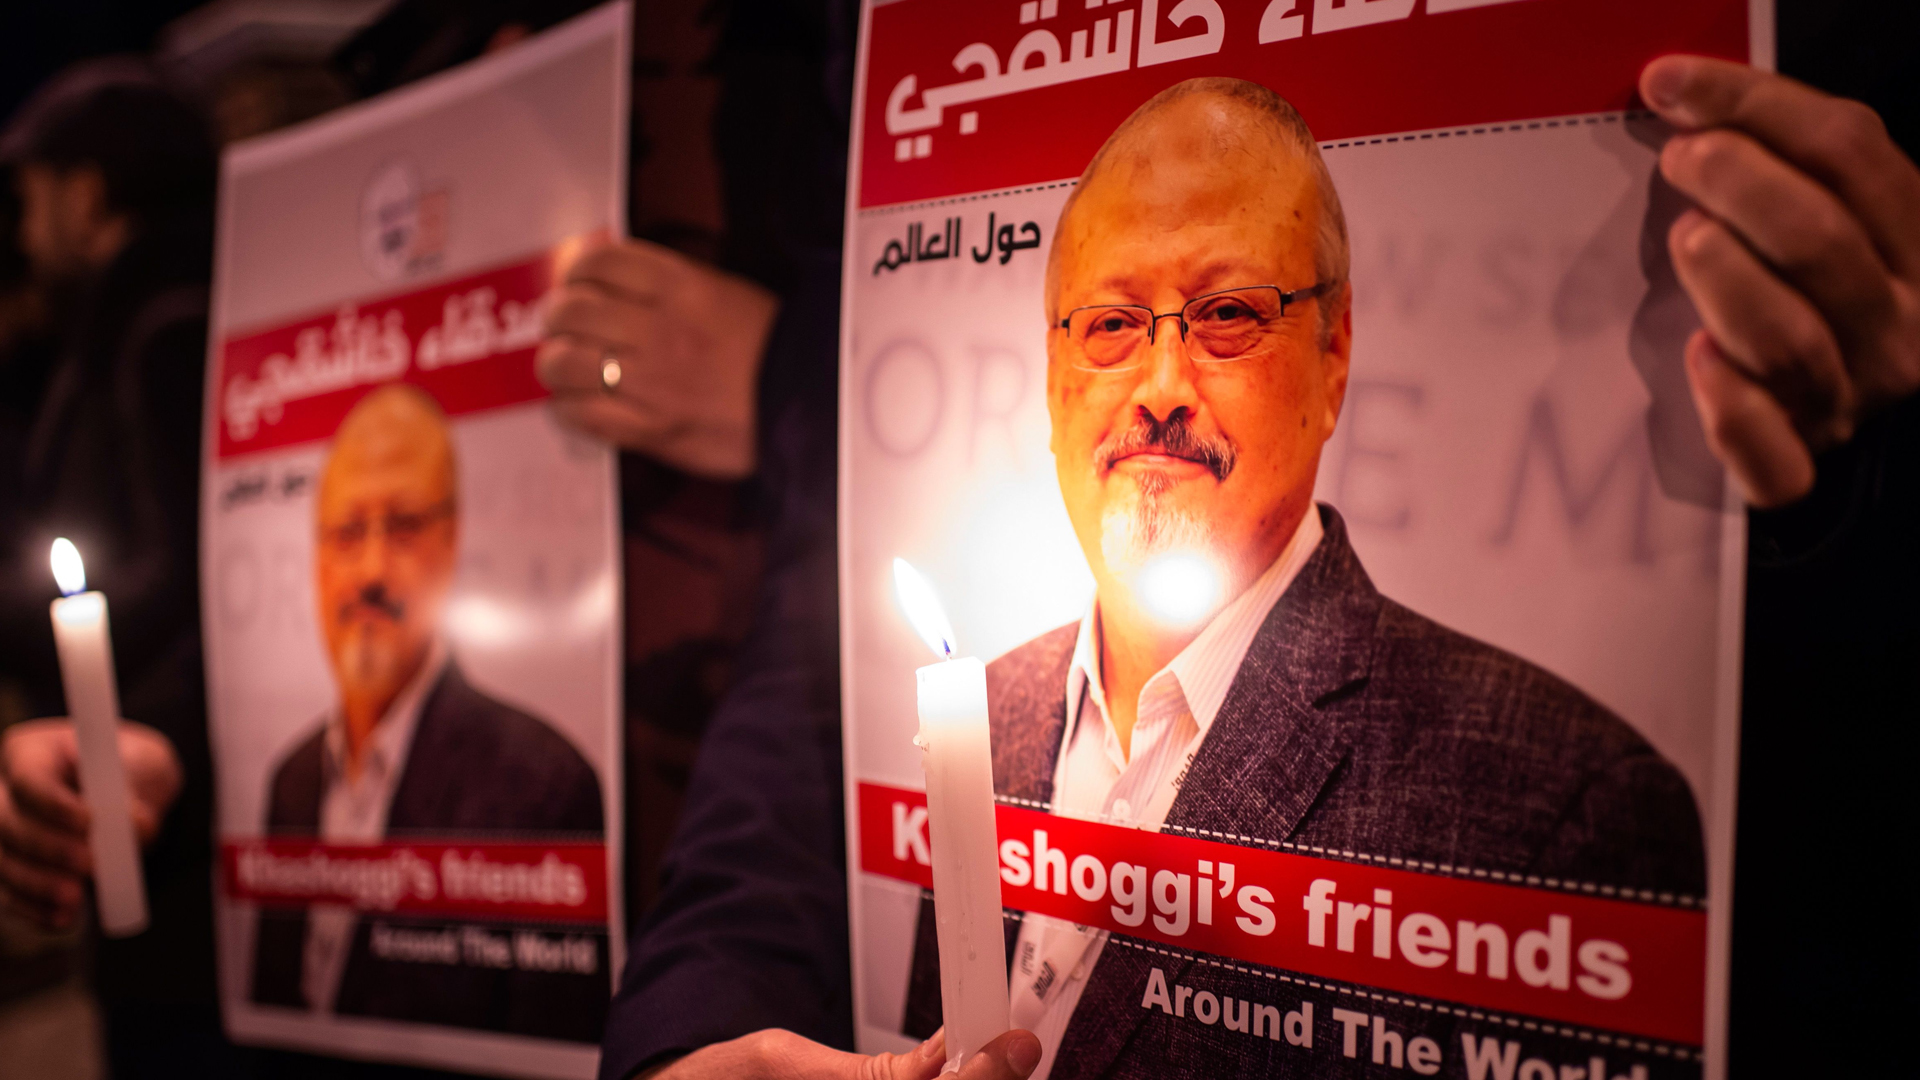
[386,546]
[1193,370]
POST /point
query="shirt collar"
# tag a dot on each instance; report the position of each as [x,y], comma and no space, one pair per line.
[1206,667]
[393,735]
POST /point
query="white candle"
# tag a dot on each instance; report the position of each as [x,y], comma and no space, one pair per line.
[958,759]
[93,703]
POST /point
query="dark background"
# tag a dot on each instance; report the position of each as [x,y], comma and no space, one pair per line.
[39,37]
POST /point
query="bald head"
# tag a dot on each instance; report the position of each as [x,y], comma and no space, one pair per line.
[1195,143]
[387,544]
[399,430]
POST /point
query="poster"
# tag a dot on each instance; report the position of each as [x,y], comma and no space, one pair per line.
[1354,373]
[411,576]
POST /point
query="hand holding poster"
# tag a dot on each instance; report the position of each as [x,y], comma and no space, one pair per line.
[411,574]
[1319,467]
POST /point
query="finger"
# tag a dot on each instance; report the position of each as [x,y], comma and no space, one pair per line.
[569,365]
[775,1054]
[146,820]
[44,915]
[1009,1056]
[618,322]
[1766,328]
[1843,144]
[43,775]
[154,773]
[64,852]
[52,802]
[1791,221]
[923,1062]
[633,270]
[41,885]
[624,423]
[1747,428]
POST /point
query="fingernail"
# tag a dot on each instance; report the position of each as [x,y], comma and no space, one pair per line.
[1023,1054]
[935,1046]
[1686,230]
[1666,84]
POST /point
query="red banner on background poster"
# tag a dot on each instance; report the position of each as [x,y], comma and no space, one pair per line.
[964,98]
[528,882]
[469,342]
[1564,953]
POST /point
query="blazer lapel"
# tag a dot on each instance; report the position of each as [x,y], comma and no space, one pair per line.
[1279,736]
[1027,713]
[1282,729]
[431,782]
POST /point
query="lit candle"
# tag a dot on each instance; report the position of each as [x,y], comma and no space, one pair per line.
[93,703]
[958,759]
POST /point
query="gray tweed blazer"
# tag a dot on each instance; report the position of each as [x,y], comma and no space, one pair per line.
[479,769]
[1353,724]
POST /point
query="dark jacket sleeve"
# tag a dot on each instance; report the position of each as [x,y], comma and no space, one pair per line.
[156,626]
[750,931]
[1827,742]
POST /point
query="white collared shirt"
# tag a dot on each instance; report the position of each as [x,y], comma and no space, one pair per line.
[353,810]
[1094,779]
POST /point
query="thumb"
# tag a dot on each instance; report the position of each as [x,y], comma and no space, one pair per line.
[1010,1056]
[42,768]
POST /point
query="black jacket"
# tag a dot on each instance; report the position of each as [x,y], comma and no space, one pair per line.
[478,768]
[112,461]
[1353,725]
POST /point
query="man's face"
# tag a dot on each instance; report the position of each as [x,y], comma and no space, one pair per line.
[1174,454]
[386,548]
[63,219]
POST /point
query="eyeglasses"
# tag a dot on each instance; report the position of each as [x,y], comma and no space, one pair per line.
[399,527]
[1218,327]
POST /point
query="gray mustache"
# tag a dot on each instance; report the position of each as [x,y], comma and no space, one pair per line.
[374,599]
[1173,437]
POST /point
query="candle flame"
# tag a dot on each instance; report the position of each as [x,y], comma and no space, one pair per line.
[68,570]
[923,609]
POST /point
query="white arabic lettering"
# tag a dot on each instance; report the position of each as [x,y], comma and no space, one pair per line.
[1086,57]
[364,350]
[1154,51]
[1037,60]
[1280,21]
[357,351]
[468,330]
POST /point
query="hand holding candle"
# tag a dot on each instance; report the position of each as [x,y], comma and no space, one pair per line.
[93,703]
[960,824]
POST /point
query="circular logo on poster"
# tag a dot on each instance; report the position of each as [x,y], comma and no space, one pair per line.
[390,220]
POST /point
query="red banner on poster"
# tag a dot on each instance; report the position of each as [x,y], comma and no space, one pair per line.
[469,342]
[964,98]
[1567,954]
[531,882]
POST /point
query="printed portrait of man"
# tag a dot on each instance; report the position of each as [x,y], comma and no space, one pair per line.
[412,748]
[1238,672]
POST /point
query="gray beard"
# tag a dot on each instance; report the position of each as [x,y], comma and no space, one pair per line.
[1143,527]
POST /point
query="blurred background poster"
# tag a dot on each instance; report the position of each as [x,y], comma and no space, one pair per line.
[412,574]
[1515,462]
